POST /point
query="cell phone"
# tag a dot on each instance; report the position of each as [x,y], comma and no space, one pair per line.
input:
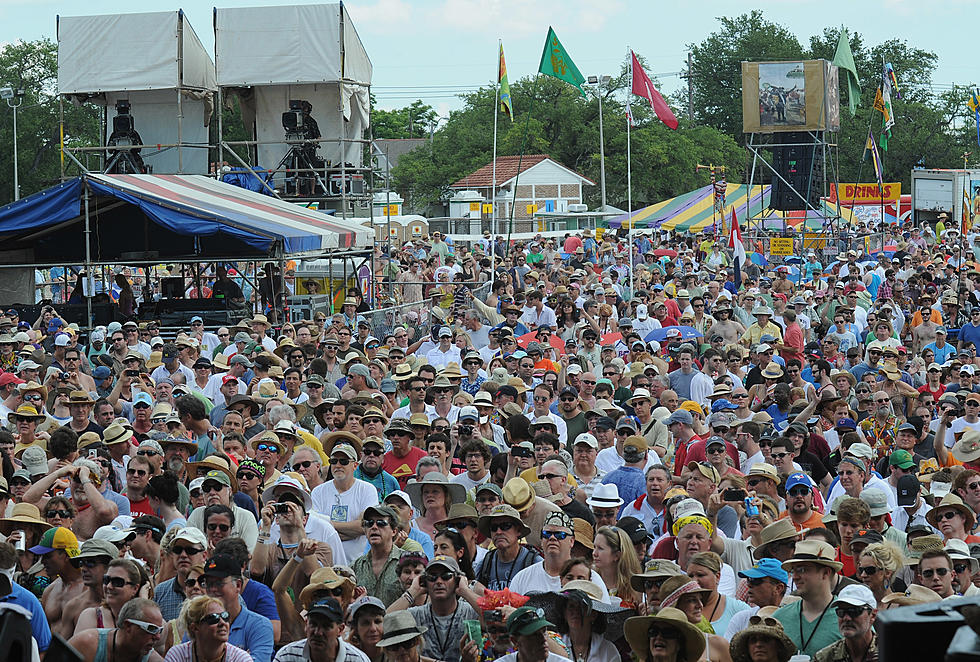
[733,494]
[473,631]
[132,373]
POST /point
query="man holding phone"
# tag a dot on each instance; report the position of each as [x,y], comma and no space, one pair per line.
[445,613]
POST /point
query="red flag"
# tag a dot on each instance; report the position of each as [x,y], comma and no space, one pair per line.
[643,87]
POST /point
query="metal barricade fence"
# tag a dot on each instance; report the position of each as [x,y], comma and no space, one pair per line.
[418,317]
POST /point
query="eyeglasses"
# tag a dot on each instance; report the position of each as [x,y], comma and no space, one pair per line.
[342,461]
[380,523]
[444,576]
[117,582]
[177,550]
[214,526]
[209,487]
[666,633]
[136,472]
[557,535]
[550,476]
[149,628]
[949,514]
[501,526]
[214,619]
[779,456]
[928,574]
[870,570]
[715,451]
[850,612]
[960,567]
[267,447]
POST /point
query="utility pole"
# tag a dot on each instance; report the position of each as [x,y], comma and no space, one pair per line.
[14,98]
[597,82]
[690,86]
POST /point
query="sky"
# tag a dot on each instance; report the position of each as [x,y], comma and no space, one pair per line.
[435,49]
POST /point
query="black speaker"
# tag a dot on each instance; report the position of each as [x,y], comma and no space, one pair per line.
[172,288]
[921,632]
[801,166]
[15,637]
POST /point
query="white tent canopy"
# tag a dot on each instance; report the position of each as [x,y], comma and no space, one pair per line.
[149,51]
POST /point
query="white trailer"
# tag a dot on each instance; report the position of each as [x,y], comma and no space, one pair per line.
[940,190]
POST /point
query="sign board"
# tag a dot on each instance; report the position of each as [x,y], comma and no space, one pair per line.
[865,194]
[391,210]
[532,209]
[781,246]
[474,206]
[487,208]
[416,230]
[393,233]
[790,96]
[813,242]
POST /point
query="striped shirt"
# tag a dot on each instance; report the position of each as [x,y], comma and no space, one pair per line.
[185,653]
[298,652]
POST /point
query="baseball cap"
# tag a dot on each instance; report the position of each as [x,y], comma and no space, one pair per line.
[797,479]
[635,529]
[846,424]
[527,620]
[767,567]
[221,566]
[856,595]
[469,412]
[328,607]
[57,538]
[901,459]
[907,489]
[587,439]
[193,535]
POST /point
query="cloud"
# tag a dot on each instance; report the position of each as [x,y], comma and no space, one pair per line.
[383,16]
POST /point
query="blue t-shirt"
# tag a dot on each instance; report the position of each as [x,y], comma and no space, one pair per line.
[943,353]
[259,598]
[21,597]
[970,333]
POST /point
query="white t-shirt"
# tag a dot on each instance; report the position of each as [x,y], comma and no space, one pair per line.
[346,507]
[873,482]
[608,459]
[211,390]
[534,578]
[318,528]
[467,482]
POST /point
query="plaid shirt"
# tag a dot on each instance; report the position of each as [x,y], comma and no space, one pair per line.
[169,599]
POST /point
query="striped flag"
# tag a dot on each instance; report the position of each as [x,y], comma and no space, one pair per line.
[735,243]
[870,148]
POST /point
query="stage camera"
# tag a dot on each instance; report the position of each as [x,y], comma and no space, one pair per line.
[297,122]
[124,135]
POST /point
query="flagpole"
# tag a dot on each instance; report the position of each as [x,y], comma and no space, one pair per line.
[493,186]
[629,176]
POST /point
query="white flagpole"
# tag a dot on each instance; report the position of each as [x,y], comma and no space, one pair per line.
[629,174]
[493,185]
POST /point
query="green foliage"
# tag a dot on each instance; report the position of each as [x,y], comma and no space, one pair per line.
[412,121]
[566,127]
[33,67]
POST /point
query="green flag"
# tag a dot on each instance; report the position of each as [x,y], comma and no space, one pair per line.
[845,62]
[555,62]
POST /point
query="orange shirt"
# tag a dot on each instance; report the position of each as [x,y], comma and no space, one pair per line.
[815,521]
[934,316]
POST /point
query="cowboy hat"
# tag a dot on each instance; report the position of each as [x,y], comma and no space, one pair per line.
[637,631]
[967,449]
[23,514]
[341,437]
[655,569]
[781,529]
[325,579]
[26,411]
[214,462]
[399,627]
[956,503]
[260,319]
[451,371]
[502,511]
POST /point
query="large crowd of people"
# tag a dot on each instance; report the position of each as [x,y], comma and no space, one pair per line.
[556,449]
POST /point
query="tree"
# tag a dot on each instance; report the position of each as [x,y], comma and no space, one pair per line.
[717,68]
[33,67]
[412,121]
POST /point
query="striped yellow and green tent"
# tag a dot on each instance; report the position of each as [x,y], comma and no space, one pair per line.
[694,211]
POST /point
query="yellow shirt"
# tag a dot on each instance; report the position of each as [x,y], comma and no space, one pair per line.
[755,332]
[312,442]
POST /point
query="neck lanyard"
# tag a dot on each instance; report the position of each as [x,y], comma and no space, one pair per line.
[816,625]
[449,631]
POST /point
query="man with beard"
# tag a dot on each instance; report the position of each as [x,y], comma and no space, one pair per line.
[131,639]
[344,498]
[799,503]
[446,613]
[56,548]
[217,490]
[401,460]
[881,429]
[188,548]
[856,609]
[177,452]
[570,411]
[93,561]
[370,470]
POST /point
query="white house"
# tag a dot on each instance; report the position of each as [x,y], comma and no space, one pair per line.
[543,182]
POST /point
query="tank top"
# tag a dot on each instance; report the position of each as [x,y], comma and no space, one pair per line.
[102,652]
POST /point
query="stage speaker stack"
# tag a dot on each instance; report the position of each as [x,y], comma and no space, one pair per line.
[801,165]
[934,632]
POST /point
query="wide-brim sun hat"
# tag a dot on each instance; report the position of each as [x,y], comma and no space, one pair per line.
[766,626]
[637,628]
[455,493]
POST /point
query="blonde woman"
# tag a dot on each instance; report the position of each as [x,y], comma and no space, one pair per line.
[705,569]
[206,622]
[876,568]
[615,560]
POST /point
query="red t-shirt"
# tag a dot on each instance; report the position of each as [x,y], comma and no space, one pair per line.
[695,453]
[403,468]
[849,569]
[141,507]
[938,393]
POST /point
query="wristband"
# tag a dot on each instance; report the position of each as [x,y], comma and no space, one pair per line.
[296,557]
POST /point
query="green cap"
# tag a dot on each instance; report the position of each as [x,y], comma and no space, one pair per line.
[527,620]
[901,459]
[218,477]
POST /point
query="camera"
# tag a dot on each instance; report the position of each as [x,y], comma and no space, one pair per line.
[281,508]
[130,373]
[733,494]
[465,430]
[64,377]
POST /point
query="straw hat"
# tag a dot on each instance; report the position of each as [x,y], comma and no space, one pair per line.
[214,462]
[813,551]
[340,437]
[637,633]
[503,511]
[956,503]
[781,529]
[455,493]
[325,579]
[21,515]
[772,371]
[913,595]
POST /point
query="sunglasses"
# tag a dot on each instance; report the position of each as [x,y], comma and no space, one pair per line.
[149,628]
[190,551]
[136,472]
[798,491]
[248,475]
[557,535]
[850,612]
[214,619]
[377,452]
[444,576]
[501,526]
[267,447]
[666,633]
[214,526]
[380,523]
[779,456]
[870,570]
[342,461]
[928,574]
[960,567]
[63,514]
[117,582]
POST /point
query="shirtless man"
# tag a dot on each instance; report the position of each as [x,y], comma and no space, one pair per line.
[783,285]
[86,490]
[93,561]
[724,325]
[924,333]
[56,549]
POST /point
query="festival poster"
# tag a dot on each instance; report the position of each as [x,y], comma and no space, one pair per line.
[782,94]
